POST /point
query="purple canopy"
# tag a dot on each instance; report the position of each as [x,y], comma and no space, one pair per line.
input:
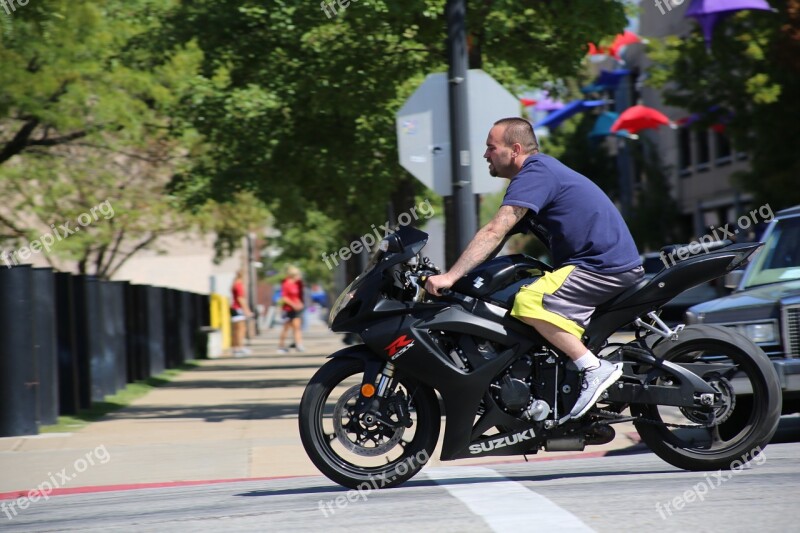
[548,104]
[710,12]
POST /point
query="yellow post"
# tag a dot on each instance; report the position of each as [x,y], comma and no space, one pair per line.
[221,318]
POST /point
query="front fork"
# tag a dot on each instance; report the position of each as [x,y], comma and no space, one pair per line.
[377,399]
[384,382]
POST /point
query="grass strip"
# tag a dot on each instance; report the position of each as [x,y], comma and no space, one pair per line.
[114,402]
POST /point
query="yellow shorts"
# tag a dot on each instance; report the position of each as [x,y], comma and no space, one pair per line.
[567,297]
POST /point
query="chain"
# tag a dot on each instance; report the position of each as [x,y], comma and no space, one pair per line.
[612,414]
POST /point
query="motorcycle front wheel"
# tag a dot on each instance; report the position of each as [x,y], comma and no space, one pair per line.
[357,450]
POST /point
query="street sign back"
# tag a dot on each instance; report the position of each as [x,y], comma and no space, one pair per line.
[423,130]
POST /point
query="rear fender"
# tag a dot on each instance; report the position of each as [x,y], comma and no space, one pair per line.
[666,285]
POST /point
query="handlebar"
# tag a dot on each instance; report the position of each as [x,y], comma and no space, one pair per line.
[424,278]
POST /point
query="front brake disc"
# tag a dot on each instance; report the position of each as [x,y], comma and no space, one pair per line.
[354,431]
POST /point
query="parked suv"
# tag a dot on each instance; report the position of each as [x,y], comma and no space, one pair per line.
[765,305]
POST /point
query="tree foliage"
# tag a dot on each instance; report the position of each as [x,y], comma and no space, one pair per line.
[85,119]
[300,106]
[274,98]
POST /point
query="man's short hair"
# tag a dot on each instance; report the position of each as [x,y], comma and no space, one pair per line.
[519,130]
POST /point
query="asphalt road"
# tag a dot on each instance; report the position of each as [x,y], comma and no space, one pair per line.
[613,493]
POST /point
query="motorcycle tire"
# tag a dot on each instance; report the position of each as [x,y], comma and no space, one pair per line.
[324,447]
[744,431]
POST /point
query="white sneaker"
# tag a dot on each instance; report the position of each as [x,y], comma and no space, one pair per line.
[283,350]
[595,382]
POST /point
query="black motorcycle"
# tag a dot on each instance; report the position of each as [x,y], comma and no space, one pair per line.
[701,396]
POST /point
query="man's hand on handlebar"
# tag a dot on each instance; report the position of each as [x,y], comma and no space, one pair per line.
[435,284]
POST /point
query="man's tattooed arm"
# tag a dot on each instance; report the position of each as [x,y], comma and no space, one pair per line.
[487,239]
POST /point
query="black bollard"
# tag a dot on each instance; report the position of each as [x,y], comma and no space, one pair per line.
[206,309]
[45,342]
[100,357]
[119,340]
[136,320]
[155,330]
[83,330]
[171,328]
[188,328]
[17,363]
[68,402]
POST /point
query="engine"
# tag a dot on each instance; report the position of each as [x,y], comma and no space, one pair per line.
[512,390]
[520,388]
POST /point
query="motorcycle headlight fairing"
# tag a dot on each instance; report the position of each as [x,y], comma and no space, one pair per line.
[341,302]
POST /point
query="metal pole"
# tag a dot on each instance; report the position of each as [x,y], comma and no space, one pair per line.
[463,199]
[251,280]
[624,154]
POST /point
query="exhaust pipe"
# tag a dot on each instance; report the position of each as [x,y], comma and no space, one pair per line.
[565,444]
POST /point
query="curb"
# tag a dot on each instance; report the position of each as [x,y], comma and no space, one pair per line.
[14,494]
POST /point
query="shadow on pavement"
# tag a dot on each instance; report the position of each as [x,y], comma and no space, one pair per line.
[238,384]
[219,368]
[244,411]
[466,480]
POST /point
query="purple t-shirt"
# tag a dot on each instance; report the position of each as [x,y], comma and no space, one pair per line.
[585,227]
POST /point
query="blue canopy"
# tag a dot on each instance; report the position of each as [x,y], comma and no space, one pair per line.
[554,119]
[607,80]
[602,128]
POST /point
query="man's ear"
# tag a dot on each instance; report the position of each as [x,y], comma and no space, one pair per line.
[516,149]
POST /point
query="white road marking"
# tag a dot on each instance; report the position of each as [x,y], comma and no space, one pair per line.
[504,504]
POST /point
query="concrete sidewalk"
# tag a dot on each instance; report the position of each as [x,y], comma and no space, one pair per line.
[227,419]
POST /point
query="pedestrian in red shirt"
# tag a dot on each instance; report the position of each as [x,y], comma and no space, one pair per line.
[292,296]
[239,313]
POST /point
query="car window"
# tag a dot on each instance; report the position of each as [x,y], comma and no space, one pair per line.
[779,260]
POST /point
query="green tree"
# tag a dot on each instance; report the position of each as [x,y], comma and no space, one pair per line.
[299,106]
[85,120]
[64,78]
[49,197]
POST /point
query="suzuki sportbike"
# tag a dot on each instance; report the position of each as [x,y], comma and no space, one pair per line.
[700,396]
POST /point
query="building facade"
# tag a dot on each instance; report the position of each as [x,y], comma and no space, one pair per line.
[701,164]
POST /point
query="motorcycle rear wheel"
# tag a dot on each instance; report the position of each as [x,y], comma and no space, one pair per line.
[744,430]
[354,451]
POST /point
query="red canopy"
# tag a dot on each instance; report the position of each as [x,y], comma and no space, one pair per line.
[598,53]
[639,117]
[527,102]
[622,40]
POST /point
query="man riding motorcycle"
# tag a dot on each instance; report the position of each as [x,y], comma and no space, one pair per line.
[593,251]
